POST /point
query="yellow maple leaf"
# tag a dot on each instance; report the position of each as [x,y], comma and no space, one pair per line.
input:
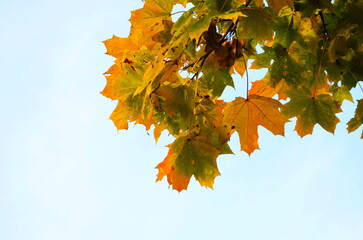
[117,46]
[121,86]
[148,21]
[120,116]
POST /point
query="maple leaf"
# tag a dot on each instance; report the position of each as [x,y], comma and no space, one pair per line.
[117,46]
[245,115]
[157,73]
[285,68]
[357,121]
[153,11]
[264,88]
[120,116]
[123,85]
[246,28]
[211,110]
[165,35]
[155,15]
[176,99]
[311,110]
[215,82]
[308,31]
[132,111]
[341,93]
[187,157]
[338,47]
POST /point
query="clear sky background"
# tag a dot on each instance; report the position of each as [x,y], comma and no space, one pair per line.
[65,172]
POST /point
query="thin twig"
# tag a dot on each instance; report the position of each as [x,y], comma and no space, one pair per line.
[325,31]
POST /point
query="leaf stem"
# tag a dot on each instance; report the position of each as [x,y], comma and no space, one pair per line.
[171,14]
[244,61]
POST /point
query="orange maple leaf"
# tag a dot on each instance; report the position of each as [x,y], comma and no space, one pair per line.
[245,115]
[263,88]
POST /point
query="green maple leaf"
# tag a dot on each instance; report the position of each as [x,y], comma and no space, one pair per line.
[190,156]
[247,25]
[214,82]
[285,67]
[341,93]
[357,121]
[176,99]
[311,110]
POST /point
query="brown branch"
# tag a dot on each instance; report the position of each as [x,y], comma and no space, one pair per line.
[248,3]
[325,31]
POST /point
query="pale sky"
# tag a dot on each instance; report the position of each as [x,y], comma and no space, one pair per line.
[66,173]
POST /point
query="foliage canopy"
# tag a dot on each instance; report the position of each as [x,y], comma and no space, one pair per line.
[170,75]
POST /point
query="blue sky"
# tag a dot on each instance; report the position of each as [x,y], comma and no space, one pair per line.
[65,172]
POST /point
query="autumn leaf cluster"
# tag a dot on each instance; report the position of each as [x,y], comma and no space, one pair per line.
[169,75]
